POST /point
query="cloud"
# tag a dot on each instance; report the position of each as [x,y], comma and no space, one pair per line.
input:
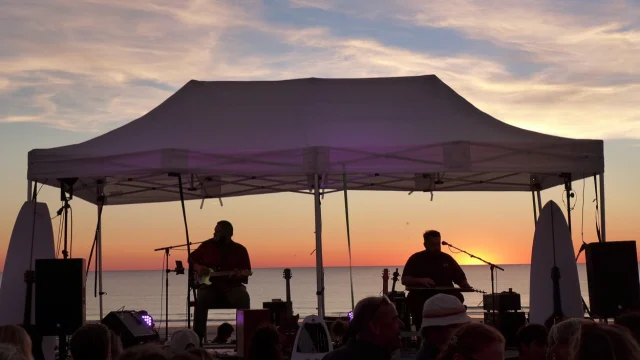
[318,4]
[599,39]
[94,65]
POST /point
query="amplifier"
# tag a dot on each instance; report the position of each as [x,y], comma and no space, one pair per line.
[277,308]
[504,301]
[508,323]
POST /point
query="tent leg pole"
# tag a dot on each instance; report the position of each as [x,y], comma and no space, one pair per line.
[346,215]
[539,201]
[99,259]
[535,211]
[29,193]
[319,266]
[567,189]
[603,232]
[186,229]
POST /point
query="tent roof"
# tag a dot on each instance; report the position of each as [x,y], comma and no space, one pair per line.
[242,138]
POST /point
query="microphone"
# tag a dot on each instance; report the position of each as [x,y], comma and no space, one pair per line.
[445,243]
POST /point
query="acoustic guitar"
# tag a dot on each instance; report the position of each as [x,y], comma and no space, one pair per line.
[204,278]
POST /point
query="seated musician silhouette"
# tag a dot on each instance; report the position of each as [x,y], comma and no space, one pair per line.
[431,268]
[220,253]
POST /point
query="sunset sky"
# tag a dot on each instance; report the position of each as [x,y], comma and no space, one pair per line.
[71,70]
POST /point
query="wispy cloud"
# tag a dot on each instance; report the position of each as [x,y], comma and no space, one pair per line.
[94,65]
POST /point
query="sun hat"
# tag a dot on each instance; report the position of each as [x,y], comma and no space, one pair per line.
[443,310]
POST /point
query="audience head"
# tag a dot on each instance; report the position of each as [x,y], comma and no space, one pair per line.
[603,342]
[200,354]
[183,340]
[474,341]
[432,240]
[631,321]
[116,344]
[18,337]
[144,352]
[223,230]
[375,320]
[532,342]
[225,330]
[10,352]
[442,314]
[265,344]
[91,342]
[339,330]
[560,336]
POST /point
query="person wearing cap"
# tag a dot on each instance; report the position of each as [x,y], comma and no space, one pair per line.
[373,334]
[442,315]
[427,269]
[183,340]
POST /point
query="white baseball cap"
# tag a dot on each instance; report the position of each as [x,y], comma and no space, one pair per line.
[443,310]
[182,340]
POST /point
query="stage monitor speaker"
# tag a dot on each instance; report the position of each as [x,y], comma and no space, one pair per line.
[612,274]
[60,296]
[508,323]
[247,322]
[131,328]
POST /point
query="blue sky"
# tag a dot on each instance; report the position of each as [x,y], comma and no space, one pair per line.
[71,69]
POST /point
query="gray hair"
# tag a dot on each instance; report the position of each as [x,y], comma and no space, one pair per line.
[561,333]
[10,352]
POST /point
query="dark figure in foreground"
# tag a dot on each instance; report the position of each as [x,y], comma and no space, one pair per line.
[431,268]
[603,342]
[91,342]
[265,344]
[220,253]
[630,321]
[373,334]
[474,341]
[532,342]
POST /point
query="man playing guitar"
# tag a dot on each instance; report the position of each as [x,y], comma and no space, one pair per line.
[220,253]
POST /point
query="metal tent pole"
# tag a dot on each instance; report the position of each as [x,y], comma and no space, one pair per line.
[539,201]
[345,185]
[567,190]
[535,211]
[603,232]
[186,229]
[29,193]
[319,266]
[99,253]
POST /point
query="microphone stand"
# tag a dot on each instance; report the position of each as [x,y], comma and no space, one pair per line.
[492,267]
[166,279]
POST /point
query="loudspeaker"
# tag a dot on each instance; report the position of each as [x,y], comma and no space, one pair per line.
[247,322]
[131,328]
[508,323]
[60,296]
[612,275]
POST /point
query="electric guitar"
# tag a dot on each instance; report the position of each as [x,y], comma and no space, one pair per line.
[204,278]
[288,321]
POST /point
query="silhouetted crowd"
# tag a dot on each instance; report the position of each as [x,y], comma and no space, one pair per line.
[447,333]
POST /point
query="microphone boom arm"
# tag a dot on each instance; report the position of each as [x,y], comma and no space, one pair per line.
[473,256]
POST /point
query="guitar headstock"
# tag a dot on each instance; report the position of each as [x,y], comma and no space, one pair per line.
[396,275]
[286,274]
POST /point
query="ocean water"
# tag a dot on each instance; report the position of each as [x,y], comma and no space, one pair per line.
[141,290]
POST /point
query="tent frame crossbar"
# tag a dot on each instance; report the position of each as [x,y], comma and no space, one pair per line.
[320,183]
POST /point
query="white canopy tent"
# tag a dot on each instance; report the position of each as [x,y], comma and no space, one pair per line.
[314,136]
